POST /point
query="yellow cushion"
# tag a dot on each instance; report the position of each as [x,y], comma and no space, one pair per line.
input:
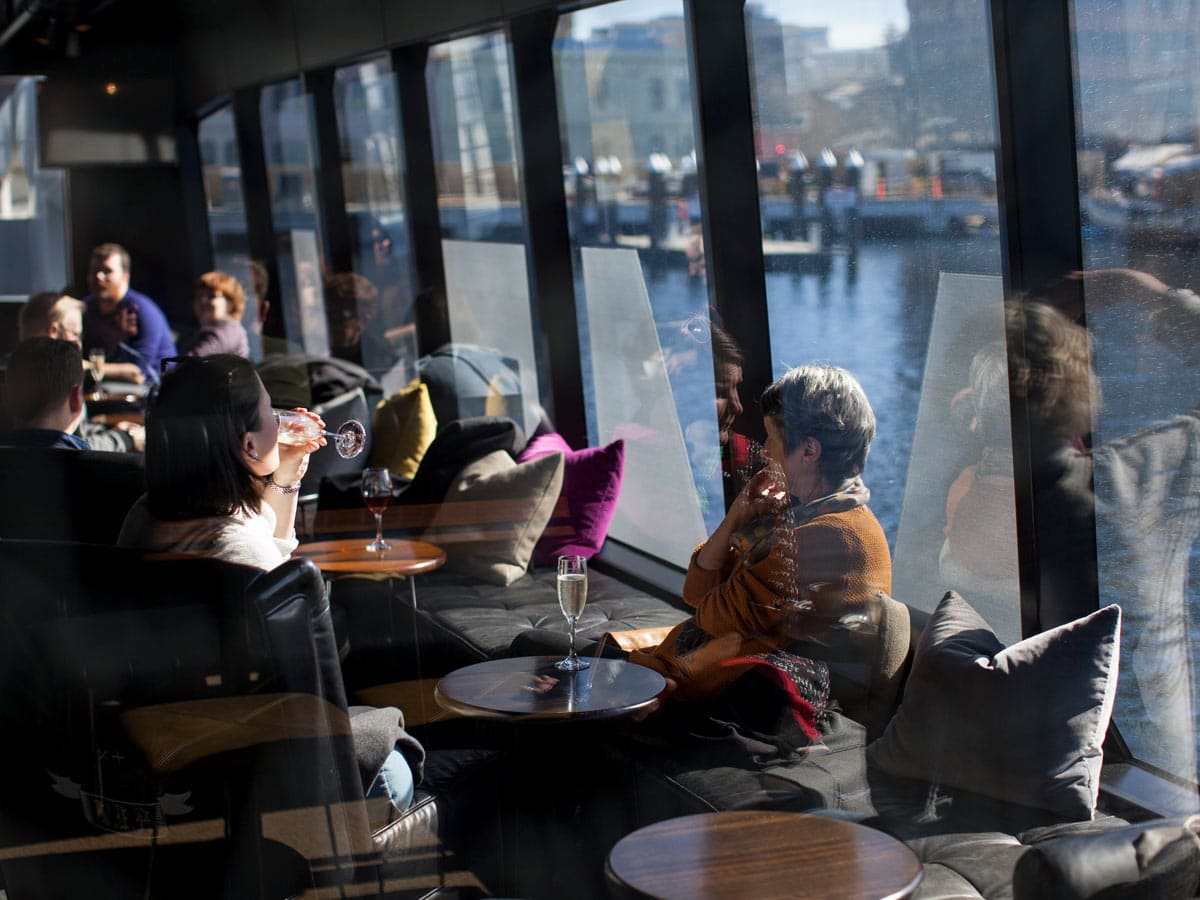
[402,429]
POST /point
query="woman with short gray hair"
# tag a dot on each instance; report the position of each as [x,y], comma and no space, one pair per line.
[797,550]
[828,404]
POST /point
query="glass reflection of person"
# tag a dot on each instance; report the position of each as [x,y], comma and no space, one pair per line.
[351,307]
[797,548]
[1145,491]
[739,457]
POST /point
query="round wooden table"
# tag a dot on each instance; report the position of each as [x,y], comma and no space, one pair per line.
[760,855]
[529,687]
[350,555]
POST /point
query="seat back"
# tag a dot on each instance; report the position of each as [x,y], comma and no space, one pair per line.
[69,495]
[867,653]
[160,694]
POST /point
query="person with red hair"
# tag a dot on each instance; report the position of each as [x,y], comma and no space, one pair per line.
[218,305]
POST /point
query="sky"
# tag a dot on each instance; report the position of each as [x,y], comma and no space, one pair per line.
[860,23]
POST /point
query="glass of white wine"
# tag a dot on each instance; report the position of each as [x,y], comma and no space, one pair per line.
[96,364]
[298,429]
[572,597]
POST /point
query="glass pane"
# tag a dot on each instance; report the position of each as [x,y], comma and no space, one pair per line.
[876,144]
[33,252]
[227,215]
[373,171]
[286,112]
[487,281]
[1140,196]
[625,108]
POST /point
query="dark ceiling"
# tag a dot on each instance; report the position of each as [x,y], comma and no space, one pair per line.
[75,36]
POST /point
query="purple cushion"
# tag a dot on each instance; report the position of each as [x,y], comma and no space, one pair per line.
[591,486]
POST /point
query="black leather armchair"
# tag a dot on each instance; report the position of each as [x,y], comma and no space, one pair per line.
[180,729]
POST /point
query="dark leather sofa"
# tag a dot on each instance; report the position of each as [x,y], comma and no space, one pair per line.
[180,729]
[979,849]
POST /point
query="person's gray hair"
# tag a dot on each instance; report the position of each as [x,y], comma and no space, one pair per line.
[988,378]
[828,404]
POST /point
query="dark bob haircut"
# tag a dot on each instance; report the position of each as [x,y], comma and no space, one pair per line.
[828,404]
[194,434]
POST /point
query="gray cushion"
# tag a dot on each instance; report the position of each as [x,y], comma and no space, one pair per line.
[488,616]
[1023,724]
[969,865]
[498,552]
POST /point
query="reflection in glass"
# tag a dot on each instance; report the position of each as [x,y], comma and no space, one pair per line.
[286,114]
[1140,198]
[470,101]
[222,175]
[32,199]
[373,171]
[625,110]
[487,281]
[875,137]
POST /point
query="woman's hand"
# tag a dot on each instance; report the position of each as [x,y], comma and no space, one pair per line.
[764,495]
[293,458]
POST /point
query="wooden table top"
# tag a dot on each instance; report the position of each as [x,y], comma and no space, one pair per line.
[761,855]
[529,687]
[449,523]
[352,555]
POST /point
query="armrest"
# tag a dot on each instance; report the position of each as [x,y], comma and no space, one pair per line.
[175,735]
[295,614]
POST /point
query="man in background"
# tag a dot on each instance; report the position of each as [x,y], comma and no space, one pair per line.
[59,317]
[44,395]
[128,326]
[351,307]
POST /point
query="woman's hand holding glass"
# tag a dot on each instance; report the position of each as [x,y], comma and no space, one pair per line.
[764,495]
[294,450]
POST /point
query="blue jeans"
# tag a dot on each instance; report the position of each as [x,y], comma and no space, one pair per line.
[394,781]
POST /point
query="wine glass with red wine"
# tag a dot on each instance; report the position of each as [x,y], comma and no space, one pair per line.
[377,492]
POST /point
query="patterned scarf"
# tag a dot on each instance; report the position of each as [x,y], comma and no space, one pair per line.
[804,682]
[754,541]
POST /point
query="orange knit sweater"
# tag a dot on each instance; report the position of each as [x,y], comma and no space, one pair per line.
[768,604]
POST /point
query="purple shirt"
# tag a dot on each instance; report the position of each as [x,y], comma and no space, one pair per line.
[223,336]
[148,348]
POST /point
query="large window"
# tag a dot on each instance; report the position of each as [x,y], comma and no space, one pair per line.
[373,173]
[222,170]
[33,251]
[487,275]
[634,211]
[876,142]
[1137,71]
[286,114]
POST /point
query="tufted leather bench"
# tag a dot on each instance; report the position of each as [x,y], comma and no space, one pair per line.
[462,620]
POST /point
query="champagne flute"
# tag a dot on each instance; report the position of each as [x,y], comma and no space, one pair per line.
[572,596]
[298,429]
[377,492]
[96,364]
